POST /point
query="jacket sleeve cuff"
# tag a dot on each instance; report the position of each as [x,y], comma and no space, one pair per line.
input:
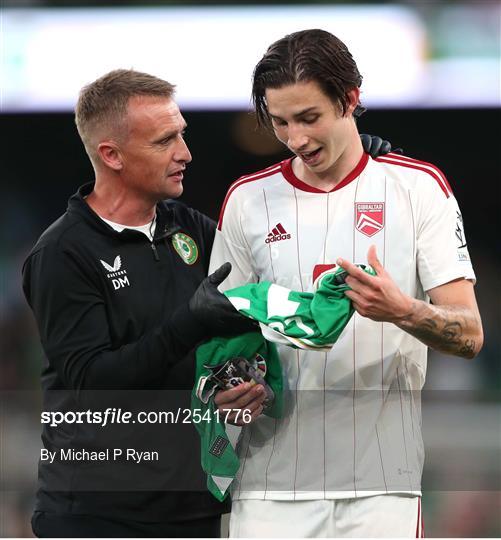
[187,327]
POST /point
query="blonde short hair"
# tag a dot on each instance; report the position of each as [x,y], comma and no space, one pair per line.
[102,104]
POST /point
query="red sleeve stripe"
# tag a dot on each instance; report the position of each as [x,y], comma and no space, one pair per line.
[261,172]
[407,159]
[410,163]
[243,180]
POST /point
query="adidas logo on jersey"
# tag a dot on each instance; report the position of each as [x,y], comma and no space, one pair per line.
[276,234]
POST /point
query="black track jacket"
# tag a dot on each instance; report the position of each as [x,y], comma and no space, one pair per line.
[111,310]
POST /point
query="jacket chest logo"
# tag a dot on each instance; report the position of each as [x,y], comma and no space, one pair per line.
[369,217]
[118,276]
[185,247]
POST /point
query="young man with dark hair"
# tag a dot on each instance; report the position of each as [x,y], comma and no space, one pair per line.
[346,459]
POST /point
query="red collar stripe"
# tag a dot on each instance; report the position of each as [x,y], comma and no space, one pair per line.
[299,184]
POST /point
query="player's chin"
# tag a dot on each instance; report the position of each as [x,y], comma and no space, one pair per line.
[173,190]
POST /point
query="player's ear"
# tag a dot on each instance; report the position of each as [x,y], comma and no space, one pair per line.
[353,97]
[110,155]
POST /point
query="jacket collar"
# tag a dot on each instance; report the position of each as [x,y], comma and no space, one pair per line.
[165,215]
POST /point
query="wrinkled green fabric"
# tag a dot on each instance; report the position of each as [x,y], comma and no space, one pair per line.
[307,320]
[219,460]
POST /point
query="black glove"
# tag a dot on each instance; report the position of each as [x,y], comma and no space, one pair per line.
[375,146]
[214,311]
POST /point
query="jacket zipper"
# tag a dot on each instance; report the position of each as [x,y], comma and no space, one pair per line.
[166,234]
[155,252]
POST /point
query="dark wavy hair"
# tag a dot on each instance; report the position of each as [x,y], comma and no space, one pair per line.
[308,55]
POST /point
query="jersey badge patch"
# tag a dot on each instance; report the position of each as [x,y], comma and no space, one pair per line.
[369,217]
[185,247]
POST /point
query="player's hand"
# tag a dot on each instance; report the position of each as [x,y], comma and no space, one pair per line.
[376,297]
[243,398]
[376,146]
[214,310]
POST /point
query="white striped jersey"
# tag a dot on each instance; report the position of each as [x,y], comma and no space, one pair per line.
[352,420]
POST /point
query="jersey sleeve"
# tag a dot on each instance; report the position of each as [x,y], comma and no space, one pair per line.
[442,251]
[72,320]
[230,245]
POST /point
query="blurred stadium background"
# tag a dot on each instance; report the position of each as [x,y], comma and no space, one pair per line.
[432,85]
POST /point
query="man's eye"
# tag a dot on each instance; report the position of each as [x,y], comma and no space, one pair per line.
[279,123]
[310,119]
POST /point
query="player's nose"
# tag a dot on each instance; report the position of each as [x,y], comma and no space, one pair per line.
[183,153]
[296,140]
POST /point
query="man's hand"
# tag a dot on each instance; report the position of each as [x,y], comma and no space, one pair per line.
[214,310]
[450,325]
[243,398]
[376,297]
[375,146]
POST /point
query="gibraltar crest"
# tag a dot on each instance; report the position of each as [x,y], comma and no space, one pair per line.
[185,247]
[369,217]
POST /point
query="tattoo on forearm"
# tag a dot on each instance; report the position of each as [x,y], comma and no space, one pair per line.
[444,328]
[468,349]
[452,332]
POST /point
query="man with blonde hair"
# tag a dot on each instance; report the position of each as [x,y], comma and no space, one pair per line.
[119,291]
